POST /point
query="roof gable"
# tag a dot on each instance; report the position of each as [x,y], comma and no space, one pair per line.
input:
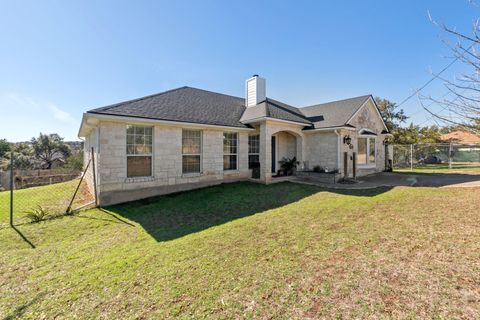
[363,116]
[333,114]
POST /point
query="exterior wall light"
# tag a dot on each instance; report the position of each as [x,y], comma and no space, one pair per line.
[347,140]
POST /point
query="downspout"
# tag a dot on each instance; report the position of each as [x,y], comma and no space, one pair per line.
[339,139]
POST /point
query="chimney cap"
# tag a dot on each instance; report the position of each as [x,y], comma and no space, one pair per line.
[255,75]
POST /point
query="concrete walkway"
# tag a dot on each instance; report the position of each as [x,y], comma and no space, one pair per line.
[390,179]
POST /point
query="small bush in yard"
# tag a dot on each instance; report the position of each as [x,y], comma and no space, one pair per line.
[38,214]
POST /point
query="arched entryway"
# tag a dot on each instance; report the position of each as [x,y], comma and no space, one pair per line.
[284,146]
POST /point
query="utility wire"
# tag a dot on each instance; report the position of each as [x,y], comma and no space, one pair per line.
[434,77]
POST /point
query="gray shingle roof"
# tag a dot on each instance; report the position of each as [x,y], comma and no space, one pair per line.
[274,109]
[333,114]
[184,104]
[193,105]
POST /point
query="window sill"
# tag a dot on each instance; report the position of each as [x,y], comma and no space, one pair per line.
[366,166]
[139,179]
[192,175]
[231,171]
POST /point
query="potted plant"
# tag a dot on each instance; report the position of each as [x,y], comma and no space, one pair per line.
[288,165]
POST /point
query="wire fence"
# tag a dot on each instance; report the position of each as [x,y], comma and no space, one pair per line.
[29,194]
[438,156]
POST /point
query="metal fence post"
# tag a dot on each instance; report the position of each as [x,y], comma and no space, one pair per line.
[411,157]
[11,189]
[450,155]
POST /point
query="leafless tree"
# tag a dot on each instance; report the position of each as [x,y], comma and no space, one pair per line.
[460,106]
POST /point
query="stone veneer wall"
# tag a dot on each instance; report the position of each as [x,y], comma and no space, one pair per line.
[368,118]
[115,187]
[321,150]
[287,146]
[90,142]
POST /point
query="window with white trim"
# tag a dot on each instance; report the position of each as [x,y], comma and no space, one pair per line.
[230,150]
[253,151]
[139,151]
[366,151]
[191,151]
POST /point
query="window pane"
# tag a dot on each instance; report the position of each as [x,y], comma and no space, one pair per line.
[230,162]
[191,142]
[139,139]
[253,160]
[191,164]
[139,166]
[140,149]
[254,144]
[130,129]
[371,159]
[229,142]
[148,140]
[362,151]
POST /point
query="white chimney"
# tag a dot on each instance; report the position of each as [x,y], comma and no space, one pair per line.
[255,90]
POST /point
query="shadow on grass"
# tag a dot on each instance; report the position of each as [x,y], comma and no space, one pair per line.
[172,216]
[23,237]
[19,311]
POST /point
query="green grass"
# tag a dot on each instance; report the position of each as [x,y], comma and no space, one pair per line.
[443,168]
[246,250]
[54,197]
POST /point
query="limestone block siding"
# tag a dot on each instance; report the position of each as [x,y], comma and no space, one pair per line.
[166,159]
[321,150]
[368,118]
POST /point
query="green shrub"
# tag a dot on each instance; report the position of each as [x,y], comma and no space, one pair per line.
[38,214]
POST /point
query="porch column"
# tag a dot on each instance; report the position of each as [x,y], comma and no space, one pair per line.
[265,154]
[300,145]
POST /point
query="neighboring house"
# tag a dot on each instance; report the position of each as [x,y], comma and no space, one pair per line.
[187,138]
[460,137]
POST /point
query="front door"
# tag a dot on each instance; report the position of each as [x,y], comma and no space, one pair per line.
[274,153]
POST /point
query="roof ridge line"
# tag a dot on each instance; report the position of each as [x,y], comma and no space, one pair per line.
[138,99]
[209,91]
[315,105]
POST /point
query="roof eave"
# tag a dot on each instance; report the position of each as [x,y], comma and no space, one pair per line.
[260,119]
[345,127]
[136,119]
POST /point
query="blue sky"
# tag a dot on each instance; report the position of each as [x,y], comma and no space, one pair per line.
[61,58]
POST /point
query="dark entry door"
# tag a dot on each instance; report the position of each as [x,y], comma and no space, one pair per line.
[274,153]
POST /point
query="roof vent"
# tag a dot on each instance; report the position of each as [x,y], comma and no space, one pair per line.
[255,90]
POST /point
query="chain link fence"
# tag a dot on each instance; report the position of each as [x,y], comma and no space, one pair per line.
[30,194]
[437,156]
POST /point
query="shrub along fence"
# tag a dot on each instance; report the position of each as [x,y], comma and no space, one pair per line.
[437,155]
[30,194]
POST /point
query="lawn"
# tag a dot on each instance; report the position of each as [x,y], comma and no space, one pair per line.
[55,198]
[443,168]
[247,250]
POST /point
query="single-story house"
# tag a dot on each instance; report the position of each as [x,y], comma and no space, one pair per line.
[187,138]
